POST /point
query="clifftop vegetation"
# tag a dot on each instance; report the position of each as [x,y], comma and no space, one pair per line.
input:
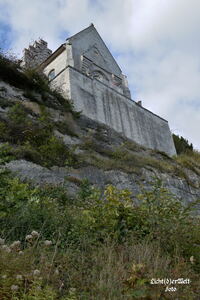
[101,241]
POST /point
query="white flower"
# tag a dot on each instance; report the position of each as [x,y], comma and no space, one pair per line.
[35,234]
[29,237]
[2,241]
[47,243]
[14,287]
[15,245]
[4,276]
[20,252]
[36,272]
[61,286]
[192,260]
[56,272]
[6,248]
[19,277]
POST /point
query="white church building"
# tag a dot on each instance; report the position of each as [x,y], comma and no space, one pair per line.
[86,72]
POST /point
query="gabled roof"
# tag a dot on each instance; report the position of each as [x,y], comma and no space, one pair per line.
[61,48]
[80,32]
[88,29]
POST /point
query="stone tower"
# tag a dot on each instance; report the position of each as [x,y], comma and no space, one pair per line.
[35,54]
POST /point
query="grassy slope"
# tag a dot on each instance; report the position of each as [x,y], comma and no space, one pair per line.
[101,246]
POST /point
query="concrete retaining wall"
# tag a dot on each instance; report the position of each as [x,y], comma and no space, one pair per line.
[101,103]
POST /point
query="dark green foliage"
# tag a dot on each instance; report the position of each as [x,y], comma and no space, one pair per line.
[33,83]
[159,217]
[11,72]
[6,153]
[181,144]
[23,208]
[34,139]
[159,227]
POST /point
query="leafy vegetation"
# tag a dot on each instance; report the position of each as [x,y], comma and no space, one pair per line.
[94,246]
[129,158]
[190,160]
[35,85]
[34,140]
[181,144]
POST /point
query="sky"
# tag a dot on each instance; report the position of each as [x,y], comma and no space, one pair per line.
[155,42]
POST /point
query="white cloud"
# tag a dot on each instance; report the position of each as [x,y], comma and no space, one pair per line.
[157,44]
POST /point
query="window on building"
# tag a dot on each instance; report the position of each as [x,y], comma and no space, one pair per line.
[51,74]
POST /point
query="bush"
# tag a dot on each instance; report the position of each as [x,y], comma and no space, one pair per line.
[181,144]
[6,153]
[32,82]
[160,216]
[34,139]
[105,246]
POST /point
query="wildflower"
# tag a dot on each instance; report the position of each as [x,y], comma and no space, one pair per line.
[47,243]
[61,286]
[192,260]
[14,288]
[15,245]
[35,234]
[6,248]
[2,241]
[56,272]
[36,272]
[4,276]
[19,277]
[29,238]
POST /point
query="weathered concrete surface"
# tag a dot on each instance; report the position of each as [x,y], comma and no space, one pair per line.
[101,103]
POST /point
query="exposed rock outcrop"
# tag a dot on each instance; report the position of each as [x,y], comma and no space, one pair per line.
[102,155]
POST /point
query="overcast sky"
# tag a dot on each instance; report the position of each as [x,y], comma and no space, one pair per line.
[155,42]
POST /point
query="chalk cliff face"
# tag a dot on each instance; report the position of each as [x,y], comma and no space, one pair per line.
[100,154]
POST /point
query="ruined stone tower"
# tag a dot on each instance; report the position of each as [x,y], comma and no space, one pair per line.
[35,54]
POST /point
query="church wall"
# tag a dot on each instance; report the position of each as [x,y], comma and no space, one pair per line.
[61,80]
[58,64]
[101,103]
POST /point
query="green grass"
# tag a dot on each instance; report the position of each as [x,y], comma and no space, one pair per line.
[94,246]
[33,139]
[190,160]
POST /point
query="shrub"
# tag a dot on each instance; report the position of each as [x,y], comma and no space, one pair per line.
[101,244]
[181,144]
[53,152]
[6,153]
[190,161]
[34,139]
[32,82]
